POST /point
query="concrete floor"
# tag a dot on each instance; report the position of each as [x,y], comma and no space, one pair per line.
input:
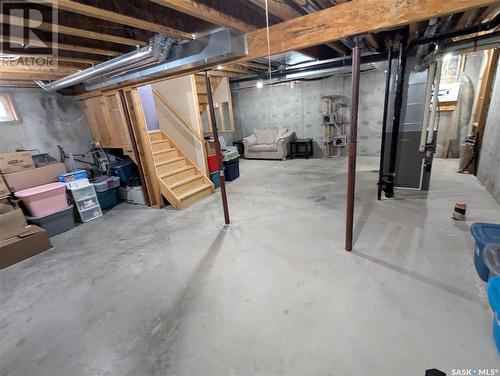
[162,292]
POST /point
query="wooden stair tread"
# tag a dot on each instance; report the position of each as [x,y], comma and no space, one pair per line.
[155,131]
[164,151]
[193,191]
[159,141]
[180,183]
[168,161]
[175,172]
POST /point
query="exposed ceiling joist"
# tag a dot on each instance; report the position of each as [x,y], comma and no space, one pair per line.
[465,19]
[67,30]
[59,46]
[353,18]
[277,9]
[206,13]
[106,15]
[490,13]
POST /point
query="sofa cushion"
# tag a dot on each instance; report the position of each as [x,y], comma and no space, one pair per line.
[265,136]
[263,147]
[281,133]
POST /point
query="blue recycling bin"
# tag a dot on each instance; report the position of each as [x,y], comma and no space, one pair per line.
[483,234]
[494,298]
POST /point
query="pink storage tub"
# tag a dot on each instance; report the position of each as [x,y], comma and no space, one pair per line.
[44,199]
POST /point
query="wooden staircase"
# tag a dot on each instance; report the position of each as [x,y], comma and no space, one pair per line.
[181,181]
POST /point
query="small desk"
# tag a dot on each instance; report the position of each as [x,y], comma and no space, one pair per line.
[241,148]
[301,147]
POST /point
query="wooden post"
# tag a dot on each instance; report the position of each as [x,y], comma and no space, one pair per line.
[218,150]
[351,166]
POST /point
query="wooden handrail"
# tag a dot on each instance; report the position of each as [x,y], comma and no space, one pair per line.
[179,117]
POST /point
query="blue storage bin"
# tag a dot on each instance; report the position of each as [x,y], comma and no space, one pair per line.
[108,199]
[494,298]
[232,170]
[483,234]
[124,170]
[214,177]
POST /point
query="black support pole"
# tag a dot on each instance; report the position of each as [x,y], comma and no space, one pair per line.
[351,164]
[381,176]
[398,101]
[218,150]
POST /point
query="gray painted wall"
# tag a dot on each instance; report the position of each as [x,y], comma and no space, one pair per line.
[299,107]
[47,119]
[489,162]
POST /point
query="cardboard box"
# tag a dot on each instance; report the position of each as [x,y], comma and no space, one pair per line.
[4,190]
[18,161]
[20,180]
[18,248]
[6,206]
[12,223]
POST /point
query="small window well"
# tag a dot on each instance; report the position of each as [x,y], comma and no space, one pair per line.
[8,114]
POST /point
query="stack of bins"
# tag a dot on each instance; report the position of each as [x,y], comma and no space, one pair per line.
[213,169]
[48,208]
[86,203]
[107,191]
[83,195]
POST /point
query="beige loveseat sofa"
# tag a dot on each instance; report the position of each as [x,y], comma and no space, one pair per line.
[268,143]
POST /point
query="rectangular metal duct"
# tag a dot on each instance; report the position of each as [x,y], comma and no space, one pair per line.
[219,47]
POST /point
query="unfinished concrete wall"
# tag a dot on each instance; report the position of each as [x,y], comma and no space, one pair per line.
[489,162]
[299,106]
[47,120]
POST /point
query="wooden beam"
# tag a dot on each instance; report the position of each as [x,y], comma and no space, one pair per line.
[372,41]
[106,15]
[465,19]
[60,46]
[490,13]
[17,83]
[67,30]
[352,18]
[206,13]
[277,9]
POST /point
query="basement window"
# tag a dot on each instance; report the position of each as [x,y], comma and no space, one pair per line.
[8,114]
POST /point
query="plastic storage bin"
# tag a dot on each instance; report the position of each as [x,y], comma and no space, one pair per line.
[55,223]
[87,203]
[214,177]
[44,199]
[90,214]
[71,176]
[83,192]
[124,170]
[483,234]
[105,183]
[212,163]
[491,258]
[232,170]
[108,199]
[494,298]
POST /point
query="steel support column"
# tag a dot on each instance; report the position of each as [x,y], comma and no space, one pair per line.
[353,131]
[396,120]
[381,176]
[218,150]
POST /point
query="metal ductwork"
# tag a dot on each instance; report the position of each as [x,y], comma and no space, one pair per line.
[155,52]
[218,47]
